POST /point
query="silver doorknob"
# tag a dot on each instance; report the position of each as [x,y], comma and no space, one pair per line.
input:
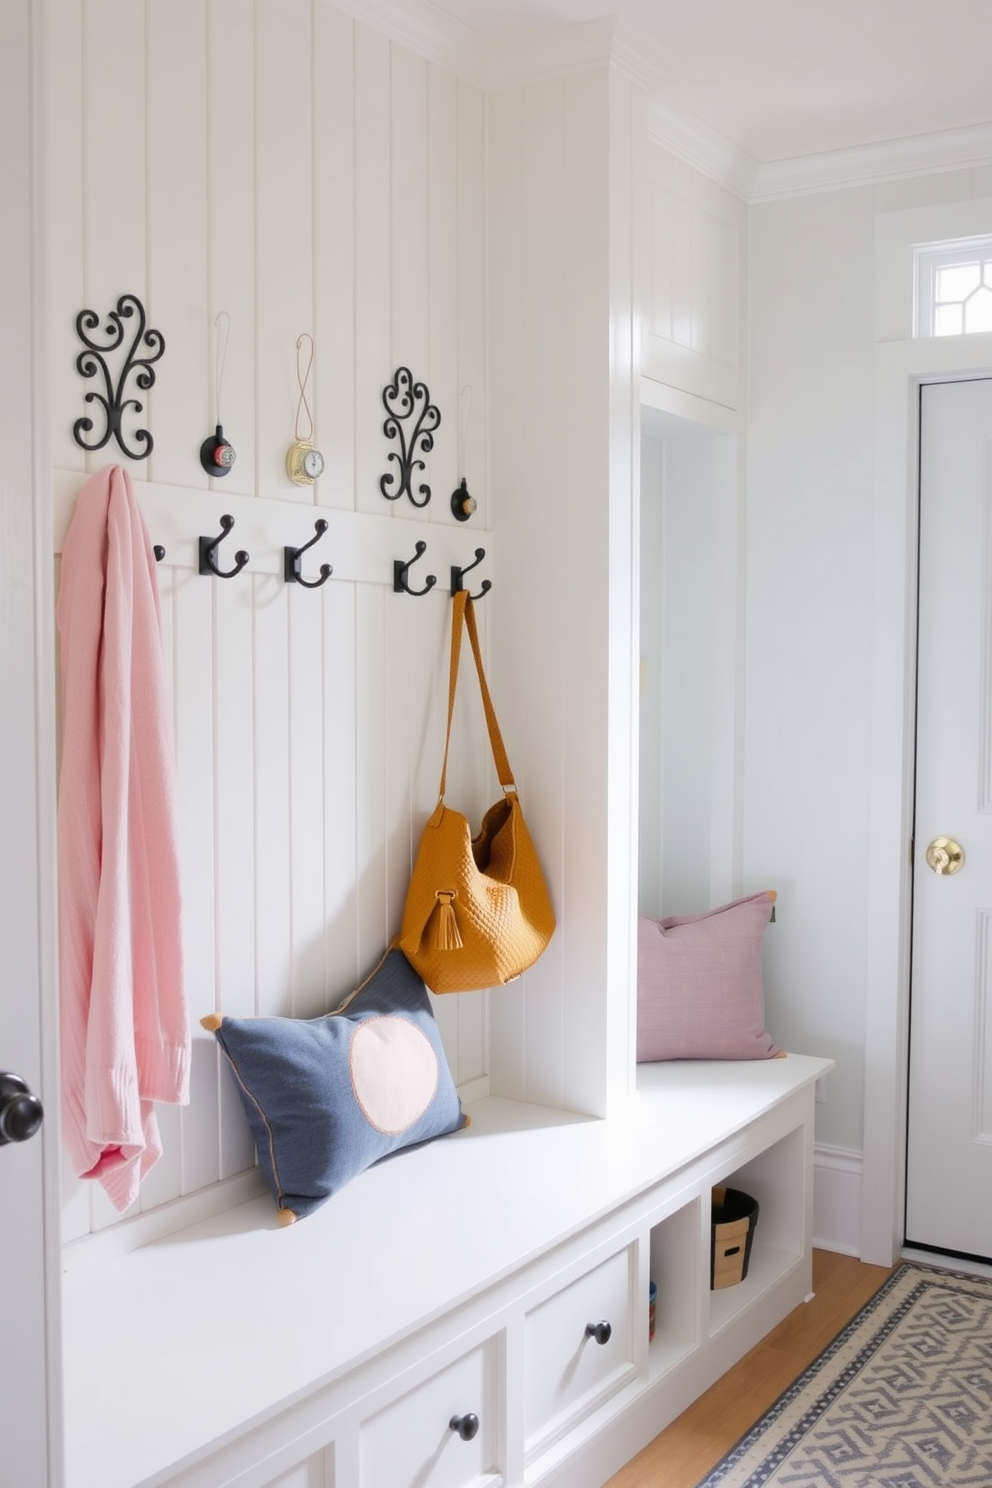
[944,855]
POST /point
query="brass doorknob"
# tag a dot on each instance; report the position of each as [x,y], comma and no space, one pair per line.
[944,855]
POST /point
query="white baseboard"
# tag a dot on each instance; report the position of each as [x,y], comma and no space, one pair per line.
[837,1177]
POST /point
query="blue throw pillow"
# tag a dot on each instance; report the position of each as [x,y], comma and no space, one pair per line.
[327,1097]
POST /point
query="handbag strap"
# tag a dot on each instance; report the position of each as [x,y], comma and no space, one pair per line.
[463,611]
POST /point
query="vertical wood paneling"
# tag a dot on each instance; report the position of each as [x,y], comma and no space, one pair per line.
[441,280]
[472,401]
[285,164]
[231,259]
[402,672]
[65,244]
[505,176]
[193,628]
[177,234]
[115,167]
[166,1178]
[307,670]
[273,912]
[334,251]
[374,230]
[283,231]
[370,771]
[234,816]
[340,761]
[547,298]
[114,238]
[409,210]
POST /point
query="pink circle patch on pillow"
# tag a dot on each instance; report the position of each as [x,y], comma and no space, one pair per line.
[394,1073]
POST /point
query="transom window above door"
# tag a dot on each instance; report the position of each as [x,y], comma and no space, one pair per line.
[953,287]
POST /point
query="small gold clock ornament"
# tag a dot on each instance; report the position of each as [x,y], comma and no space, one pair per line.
[304,461]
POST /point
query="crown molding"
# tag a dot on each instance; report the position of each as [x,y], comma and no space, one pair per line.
[866,165]
[702,147]
[558,51]
[492,65]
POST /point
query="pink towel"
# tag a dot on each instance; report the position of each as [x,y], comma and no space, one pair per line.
[125,1029]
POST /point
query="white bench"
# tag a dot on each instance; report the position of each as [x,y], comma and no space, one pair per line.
[453,1281]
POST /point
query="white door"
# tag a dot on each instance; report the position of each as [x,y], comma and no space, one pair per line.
[30,1437]
[949,1170]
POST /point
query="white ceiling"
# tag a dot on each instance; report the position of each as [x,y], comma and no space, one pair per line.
[780,79]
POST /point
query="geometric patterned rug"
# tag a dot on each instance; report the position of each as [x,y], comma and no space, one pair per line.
[902,1398]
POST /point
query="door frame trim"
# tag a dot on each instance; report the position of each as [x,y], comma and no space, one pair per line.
[900,369]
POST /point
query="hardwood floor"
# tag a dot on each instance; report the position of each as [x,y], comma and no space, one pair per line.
[694,1443]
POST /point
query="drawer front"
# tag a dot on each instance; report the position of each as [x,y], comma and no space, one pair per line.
[413,1444]
[578,1349]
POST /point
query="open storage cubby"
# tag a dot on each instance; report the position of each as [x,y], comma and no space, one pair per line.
[674,1267]
[777,1179]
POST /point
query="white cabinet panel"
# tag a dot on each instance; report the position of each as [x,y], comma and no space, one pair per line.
[413,1443]
[578,1349]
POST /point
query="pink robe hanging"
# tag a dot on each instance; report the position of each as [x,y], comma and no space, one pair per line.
[124,1024]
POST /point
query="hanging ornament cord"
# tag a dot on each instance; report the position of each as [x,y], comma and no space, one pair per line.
[303,380]
[222,324]
[465,413]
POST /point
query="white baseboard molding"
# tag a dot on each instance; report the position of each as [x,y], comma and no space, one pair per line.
[837,1178]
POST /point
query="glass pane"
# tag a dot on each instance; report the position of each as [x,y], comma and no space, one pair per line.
[987,271]
[978,312]
[957,283]
[947,320]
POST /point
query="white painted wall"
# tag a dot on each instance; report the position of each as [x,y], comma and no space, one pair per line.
[810,615]
[690,676]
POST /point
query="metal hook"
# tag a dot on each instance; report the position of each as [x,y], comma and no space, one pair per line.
[401,570]
[292,561]
[458,574]
[208,547]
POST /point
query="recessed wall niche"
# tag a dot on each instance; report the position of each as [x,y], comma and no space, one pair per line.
[690,694]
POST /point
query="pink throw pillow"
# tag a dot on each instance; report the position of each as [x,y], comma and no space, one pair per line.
[700,993]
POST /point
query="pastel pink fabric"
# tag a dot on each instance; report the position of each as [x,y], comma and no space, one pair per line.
[700,991]
[124,1022]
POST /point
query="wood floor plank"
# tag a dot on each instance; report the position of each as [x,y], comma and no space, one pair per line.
[694,1443]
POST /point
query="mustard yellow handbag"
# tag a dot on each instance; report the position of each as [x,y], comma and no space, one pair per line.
[477,911]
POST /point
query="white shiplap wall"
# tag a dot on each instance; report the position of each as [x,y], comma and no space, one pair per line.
[285,164]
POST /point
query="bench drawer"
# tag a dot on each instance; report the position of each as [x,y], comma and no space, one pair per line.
[413,1442]
[578,1349]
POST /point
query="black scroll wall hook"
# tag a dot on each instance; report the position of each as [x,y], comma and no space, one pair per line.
[458,574]
[208,550]
[146,346]
[401,572]
[406,400]
[292,565]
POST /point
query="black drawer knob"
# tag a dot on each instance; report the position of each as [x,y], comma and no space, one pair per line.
[20,1111]
[465,1426]
[602,1332]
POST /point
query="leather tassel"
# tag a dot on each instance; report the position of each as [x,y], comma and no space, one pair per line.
[446,936]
